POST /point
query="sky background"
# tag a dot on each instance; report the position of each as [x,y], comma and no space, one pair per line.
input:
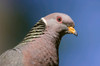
[18,16]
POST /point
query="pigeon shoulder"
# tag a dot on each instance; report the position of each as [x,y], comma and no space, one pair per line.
[12,57]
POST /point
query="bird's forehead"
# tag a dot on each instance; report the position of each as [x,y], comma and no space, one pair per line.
[54,16]
[66,19]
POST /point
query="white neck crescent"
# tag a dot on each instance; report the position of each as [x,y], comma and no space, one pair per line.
[44,21]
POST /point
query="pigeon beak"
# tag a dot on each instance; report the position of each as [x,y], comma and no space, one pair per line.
[72,31]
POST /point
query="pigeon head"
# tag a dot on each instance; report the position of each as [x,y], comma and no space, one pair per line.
[60,23]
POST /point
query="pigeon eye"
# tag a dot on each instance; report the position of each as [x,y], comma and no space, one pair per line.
[59,19]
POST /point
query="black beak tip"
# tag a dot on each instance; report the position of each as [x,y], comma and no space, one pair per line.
[76,34]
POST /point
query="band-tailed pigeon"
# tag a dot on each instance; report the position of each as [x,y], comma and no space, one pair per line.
[40,46]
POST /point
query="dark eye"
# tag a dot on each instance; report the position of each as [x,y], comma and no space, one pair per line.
[59,19]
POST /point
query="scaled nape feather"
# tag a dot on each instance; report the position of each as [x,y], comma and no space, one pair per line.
[37,30]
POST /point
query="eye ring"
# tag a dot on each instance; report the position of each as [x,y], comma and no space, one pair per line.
[59,19]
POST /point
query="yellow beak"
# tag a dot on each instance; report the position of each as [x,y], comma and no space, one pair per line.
[72,30]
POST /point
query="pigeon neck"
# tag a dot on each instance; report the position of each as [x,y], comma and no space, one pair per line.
[35,32]
[53,38]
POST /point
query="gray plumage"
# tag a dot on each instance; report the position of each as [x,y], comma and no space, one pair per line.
[9,58]
[40,46]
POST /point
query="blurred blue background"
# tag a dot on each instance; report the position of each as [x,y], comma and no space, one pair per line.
[18,16]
